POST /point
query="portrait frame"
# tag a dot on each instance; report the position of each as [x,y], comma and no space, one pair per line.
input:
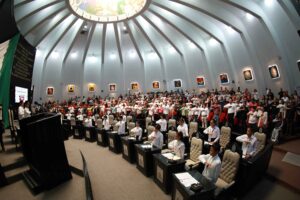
[248,75]
[274,71]
[155,84]
[224,78]
[71,88]
[177,83]
[91,87]
[112,87]
[200,80]
[50,91]
[135,86]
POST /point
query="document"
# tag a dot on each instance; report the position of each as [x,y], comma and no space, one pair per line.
[186,179]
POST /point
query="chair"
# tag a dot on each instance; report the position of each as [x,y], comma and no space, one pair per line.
[229,169]
[99,123]
[148,121]
[110,119]
[172,123]
[195,152]
[225,137]
[261,141]
[193,128]
[130,125]
[129,119]
[171,135]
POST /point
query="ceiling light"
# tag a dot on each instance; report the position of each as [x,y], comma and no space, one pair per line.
[213,42]
[112,56]
[107,10]
[230,29]
[132,54]
[249,17]
[74,55]
[192,45]
[93,58]
[269,2]
[54,54]
[172,50]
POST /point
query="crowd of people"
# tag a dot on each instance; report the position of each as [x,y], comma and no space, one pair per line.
[244,112]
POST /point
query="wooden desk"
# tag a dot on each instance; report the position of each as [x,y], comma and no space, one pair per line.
[102,139]
[145,159]
[128,150]
[163,171]
[180,192]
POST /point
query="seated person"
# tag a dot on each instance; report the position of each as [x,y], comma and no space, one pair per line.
[177,145]
[156,137]
[249,143]
[137,131]
[212,163]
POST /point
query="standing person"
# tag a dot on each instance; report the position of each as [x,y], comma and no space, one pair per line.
[138,131]
[156,137]
[21,110]
[213,133]
[105,123]
[231,106]
[182,127]
[249,143]
[27,112]
[212,163]
[121,126]
[177,145]
[163,126]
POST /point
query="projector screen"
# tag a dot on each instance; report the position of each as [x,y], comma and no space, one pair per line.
[21,94]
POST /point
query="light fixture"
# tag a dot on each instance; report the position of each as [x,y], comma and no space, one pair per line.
[74,55]
[54,54]
[107,10]
[213,42]
[132,54]
[269,2]
[249,17]
[112,56]
[230,30]
[172,50]
[192,45]
[93,58]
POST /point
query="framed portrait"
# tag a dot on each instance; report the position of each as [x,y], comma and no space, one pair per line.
[91,87]
[134,86]
[177,83]
[50,91]
[200,81]
[71,88]
[155,85]
[112,87]
[248,76]
[274,72]
[224,78]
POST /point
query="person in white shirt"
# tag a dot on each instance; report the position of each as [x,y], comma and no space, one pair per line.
[177,145]
[79,116]
[21,110]
[252,119]
[106,124]
[138,131]
[156,137]
[68,115]
[163,123]
[27,112]
[213,132]
[88,122]
[121,126]
[212,163]
[231,112]
[249,143]
[182,127]
[204,113]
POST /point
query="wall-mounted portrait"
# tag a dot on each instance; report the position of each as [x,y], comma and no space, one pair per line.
[91,87]
[274,72]
[200,81]
[224,78]
[50,91]
[71,88]
[177,83]
[248,76]
[134,86]
[112,87]
[155,85]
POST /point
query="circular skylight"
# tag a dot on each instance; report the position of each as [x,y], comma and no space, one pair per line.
[107,10]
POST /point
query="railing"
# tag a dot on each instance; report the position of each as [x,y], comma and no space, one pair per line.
[88,186]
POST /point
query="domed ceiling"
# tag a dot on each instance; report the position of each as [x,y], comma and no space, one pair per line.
[155,40]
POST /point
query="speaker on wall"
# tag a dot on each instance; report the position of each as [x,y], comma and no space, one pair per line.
[298,32]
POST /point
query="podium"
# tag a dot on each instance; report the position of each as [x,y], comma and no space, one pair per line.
[43,148]
[78,132]
[90,134]
[114,141]
[128,150]
[144,156]
[102,139]
[163,170]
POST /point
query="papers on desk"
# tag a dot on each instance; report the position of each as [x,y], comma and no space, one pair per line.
[146,146]
[186,179]
[171,156]
[207,143]
[131,138]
